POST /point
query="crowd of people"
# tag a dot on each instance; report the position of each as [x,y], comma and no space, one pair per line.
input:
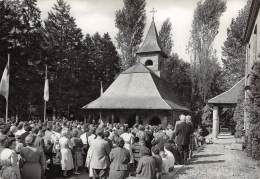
[38,150]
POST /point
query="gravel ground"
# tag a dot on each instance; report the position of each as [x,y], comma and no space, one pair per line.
[218,161]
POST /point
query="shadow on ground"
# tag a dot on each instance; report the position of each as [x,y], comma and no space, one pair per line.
[207,162]
[208,155]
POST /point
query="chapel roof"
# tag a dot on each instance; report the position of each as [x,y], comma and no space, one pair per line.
[138,88]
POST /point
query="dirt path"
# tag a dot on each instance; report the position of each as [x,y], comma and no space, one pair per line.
[218,161]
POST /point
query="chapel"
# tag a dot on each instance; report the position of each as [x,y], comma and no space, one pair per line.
[139,94]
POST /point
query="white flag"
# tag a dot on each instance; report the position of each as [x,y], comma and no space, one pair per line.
[101,89]
[46,87]
[4,84]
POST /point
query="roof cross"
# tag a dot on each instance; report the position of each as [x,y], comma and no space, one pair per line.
[153,11]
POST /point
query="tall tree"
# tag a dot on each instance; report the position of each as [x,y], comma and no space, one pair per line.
[23,35]
[165,36]
[63,42]
[234,50]
[205,27]
[130,21]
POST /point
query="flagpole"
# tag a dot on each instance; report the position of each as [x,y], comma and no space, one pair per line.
[6,106]
[45,102]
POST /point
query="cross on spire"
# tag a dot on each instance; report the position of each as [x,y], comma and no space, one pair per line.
[153,11]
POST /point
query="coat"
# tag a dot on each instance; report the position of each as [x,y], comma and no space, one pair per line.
[120,157]
[146,168]
[100,154]
[182,133]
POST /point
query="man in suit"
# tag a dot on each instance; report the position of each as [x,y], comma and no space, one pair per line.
[100,156]
[182,138]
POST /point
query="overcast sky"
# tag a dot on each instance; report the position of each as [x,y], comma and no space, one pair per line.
[99,16]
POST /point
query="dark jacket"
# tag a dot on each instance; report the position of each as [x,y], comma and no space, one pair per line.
[119,157]
[182,133]
[146,168]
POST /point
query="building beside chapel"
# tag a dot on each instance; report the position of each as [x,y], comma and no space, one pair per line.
[252,65]
[139,93]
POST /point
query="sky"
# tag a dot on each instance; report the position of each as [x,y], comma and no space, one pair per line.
[99,16]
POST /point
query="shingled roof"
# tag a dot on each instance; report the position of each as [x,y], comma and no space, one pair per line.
[138,88]
[151,42]
[231,96]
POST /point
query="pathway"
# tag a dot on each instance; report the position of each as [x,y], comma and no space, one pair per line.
[220,161]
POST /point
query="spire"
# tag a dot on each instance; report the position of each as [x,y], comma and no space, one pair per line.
[151,42]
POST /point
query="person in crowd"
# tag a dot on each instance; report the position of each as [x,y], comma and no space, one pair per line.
[76,151]
[8,159]
[33,160]
[158,161]
[119,157]
[146,167]
[99,161]
[65,151]
[182,138]
[191,144]
[167,158]
[20,129]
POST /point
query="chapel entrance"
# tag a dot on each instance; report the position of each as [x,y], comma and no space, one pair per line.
[155,121]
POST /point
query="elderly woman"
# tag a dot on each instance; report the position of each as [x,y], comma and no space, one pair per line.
[34,163]
[146,167]
[119,158]
[66,155]
[8,160]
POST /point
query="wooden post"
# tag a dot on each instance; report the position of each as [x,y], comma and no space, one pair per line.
[215,127]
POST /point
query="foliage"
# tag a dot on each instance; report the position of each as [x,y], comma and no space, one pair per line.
[165,37]
[234,50]
[75,65]
[130,21]
[204,64]
[177,73]
[239,115]
[21,36]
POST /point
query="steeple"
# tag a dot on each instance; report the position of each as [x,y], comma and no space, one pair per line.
[150,53]
[151,42]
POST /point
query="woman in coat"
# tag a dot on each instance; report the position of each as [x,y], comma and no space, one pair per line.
[34,160]
[119,158]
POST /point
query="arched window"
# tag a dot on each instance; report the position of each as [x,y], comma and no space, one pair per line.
[148,63]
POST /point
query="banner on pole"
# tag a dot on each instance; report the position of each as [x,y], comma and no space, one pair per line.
[4,84]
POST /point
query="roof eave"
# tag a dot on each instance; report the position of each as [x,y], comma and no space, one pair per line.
[254,8]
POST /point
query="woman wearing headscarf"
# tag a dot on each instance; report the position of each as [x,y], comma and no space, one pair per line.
[34,161]
[146,167]
[8,160]
[119,158]
[66,155]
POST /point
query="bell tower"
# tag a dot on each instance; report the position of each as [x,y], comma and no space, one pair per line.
[150,53]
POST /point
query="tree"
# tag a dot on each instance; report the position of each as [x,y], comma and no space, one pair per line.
[177,73]
[22,39]
[234,50]
[63,41]
[130,21]
[165,36]
[203,56]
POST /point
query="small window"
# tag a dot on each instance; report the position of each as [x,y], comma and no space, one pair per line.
[148,63]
